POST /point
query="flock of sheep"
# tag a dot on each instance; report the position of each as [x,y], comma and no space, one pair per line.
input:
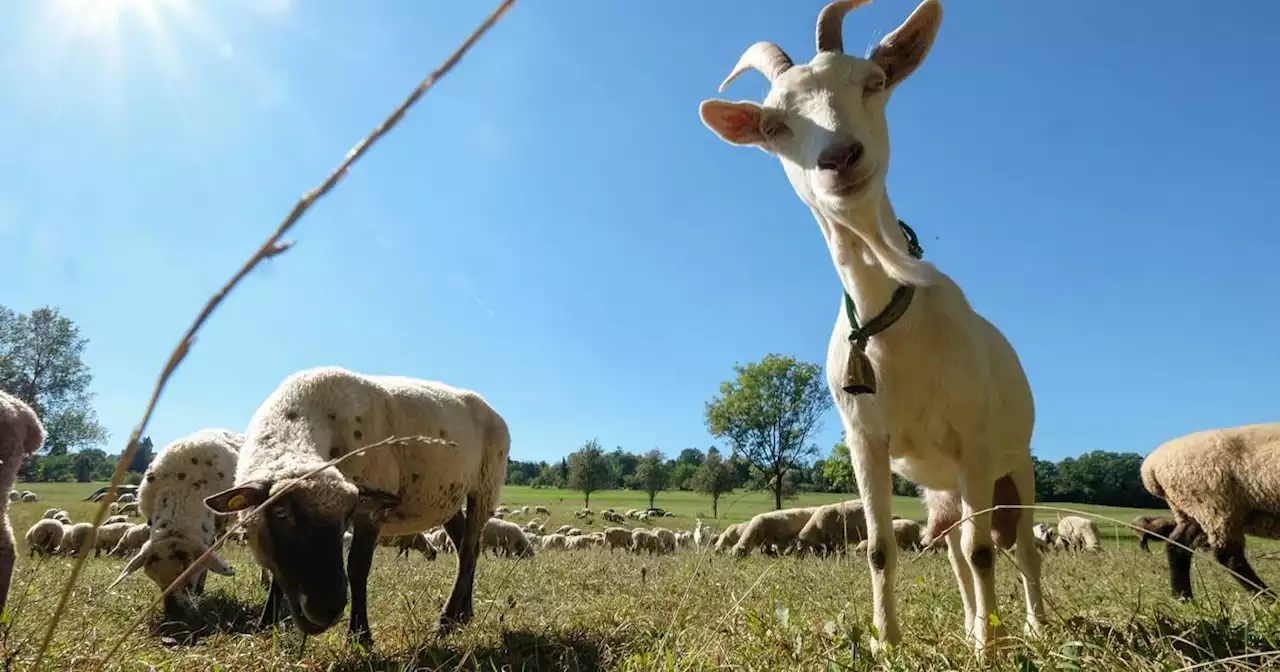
[925,386]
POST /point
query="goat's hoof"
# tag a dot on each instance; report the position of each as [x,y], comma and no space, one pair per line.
[450,623]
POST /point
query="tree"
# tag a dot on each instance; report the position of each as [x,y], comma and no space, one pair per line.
[652,474]
[691,456]
[588,470]
[40,363]
[142,458]
[715,477]
[623,465]
[767,414]
[682,475]
[904,488]
[838,470]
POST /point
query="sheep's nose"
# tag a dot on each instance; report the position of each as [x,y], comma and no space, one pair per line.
[839,157]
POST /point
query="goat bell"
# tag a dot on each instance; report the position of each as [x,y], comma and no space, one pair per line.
[859,374]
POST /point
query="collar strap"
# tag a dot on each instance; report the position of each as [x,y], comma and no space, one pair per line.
[860,334]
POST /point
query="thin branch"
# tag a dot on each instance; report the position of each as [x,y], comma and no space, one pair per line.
[272,247]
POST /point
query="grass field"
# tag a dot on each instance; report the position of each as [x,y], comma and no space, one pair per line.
[592,610]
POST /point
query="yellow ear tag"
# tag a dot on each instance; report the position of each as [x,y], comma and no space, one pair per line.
[236,503]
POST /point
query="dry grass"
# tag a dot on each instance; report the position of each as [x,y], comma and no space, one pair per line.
[593,610]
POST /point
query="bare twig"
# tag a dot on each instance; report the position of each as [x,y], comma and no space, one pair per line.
[272,247]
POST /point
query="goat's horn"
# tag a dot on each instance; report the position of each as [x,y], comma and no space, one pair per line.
[766,57]
[831,21]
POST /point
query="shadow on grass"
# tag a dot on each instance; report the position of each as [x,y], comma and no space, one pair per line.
[214,613]
[519,650]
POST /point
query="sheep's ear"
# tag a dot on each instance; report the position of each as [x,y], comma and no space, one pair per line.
[903,50]
[134,563]
[373,498]
[238,498]
[735,123]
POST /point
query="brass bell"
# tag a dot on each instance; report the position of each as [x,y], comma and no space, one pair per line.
[859,374]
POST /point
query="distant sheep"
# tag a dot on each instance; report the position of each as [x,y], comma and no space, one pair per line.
[574,532]
[1078,533]
[441,541]
[29,497]
[564,529]
[583,542]
[76,537]
[554,542]
[132,541]
[617,538]
[729,537]
[115,519]
[410,542]
[701,534]
[503,538]
[124,508]
[1221,485]
[1154,528]
[773,531]
[542,509]
[906,533]
[667,538]
[14,495]
[834,526]
[44,538]
[108,536]
[1046,536]
[174,487]
[645,540]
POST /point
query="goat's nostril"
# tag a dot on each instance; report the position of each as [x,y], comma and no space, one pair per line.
[855,153]
[839,158]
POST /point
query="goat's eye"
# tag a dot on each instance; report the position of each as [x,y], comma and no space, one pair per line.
[875,83]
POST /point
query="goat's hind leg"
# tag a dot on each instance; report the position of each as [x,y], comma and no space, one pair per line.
[976,494]
[1026,553]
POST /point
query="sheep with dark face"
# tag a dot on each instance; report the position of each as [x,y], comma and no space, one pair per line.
[1154,528]
[172,495]
[21,434]
[453,453]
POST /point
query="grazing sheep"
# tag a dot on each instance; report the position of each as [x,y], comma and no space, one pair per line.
[502,509]
[44,537]
[132,540]
[124,508]
[832,527]
[14,495]
[667,538]
[115,519]
[503,538]
[554,542]
[76,537]
[1154,528]
[906,533]
[574,532]
[645,540]
[63,518]
[928,388]
[542,509]
[29,497]
[100,493]
[564,529]
[172,496]
[776,529]
[728,537]
[1078,533]
[614,517]
[440,540]
[408,486]
[50,513]
[582,543]
[108,536]
[702,533]
[617,538]
[1046,536]
[1221,485]
[404,543]
[684,539]
[126,498]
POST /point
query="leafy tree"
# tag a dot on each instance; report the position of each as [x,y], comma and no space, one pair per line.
[715,477]
[691,456]
[623,467]
[838,470]
[1046,477]
[40,363]
[548,477]
[904,488]
[682,475]
[652,474]
[588,470]
[767,414]
[142,458]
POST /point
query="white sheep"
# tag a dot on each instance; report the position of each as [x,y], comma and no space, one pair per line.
[929,389]
[44,537]
[542,509]
[617,538]
[50,513]
[645,540]
[584,542]
[452,454]
[667,538]
[1046,536]
[125,508]
[115,519]
[554,542]
[171,497]
[564,529]
[14,495]
[503,538]
[404,544]
[440,540]
[833,526]
[76,537]
[772,531]
[29,497]
[729,537]
[1221,485]
[1078,533]
[21,434]
[108,536]
[132,540]
[126,498]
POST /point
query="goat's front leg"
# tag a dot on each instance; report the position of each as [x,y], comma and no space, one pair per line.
[870,456]
[364,539]
[976,494]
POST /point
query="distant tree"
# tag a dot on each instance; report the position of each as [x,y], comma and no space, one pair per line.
[682,475]
[142,458]
[588,470]
[838,470]
[768,412]
[652,474]
[904,488]
[41,363]
[548,477]
[691,456]
[517,478]
[1046,476]
[715,477]
[622,465]
[87,465]
[818,476]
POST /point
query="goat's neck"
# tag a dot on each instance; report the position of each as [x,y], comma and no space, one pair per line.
[863,257]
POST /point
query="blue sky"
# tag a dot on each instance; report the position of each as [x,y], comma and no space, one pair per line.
[554,227]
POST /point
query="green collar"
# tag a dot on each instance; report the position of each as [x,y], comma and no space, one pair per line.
[898,304]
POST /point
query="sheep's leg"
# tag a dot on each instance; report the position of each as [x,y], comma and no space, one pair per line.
[976,494]
[464,529]
[870,457]
[8,554]
[271,611]
[1142,543]
[1231,555]
[1027,554]
[1183,534]
[364,540]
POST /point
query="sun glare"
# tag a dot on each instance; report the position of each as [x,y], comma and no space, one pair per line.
[90,19]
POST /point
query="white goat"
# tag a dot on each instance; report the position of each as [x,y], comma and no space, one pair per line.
[952,410]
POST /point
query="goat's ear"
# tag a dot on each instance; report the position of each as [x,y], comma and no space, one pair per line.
[735,123]
[903,50]
[238,498]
